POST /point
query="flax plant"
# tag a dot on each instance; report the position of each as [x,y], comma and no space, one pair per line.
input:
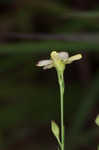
[59,60]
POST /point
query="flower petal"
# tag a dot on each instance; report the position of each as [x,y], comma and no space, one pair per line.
[44,63]
[73,58]
[63,55]
[48,66]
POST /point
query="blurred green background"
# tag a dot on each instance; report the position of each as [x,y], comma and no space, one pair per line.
[29,96]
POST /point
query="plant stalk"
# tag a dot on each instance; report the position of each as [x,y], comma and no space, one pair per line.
[61,86]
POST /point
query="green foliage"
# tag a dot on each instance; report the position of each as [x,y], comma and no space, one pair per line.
[44,47]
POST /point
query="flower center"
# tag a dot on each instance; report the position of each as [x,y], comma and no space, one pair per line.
[57,61]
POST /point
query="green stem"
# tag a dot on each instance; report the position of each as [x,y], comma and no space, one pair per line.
[61,85]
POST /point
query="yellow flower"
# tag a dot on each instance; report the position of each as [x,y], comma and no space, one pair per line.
[58,60]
